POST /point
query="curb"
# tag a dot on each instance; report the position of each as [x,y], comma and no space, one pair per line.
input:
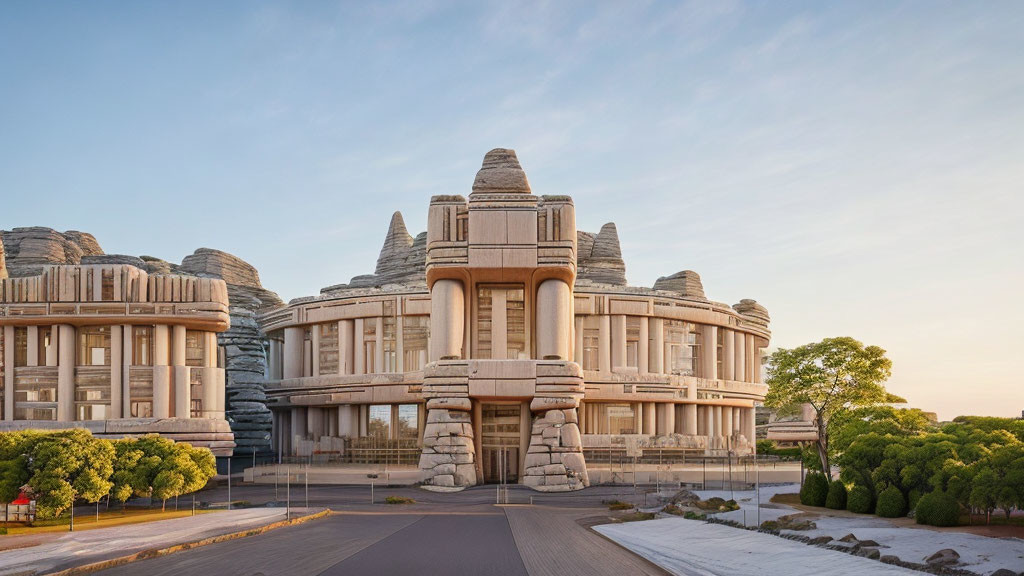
[158,552]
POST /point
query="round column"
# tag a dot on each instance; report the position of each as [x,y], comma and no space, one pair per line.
[447,319]
[554,320]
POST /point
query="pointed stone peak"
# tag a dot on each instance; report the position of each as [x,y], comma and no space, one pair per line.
[3,261]
[686,283]
[501,173]
[599,257]
[396,245]
[606,244]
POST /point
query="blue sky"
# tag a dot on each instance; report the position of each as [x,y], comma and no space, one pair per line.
[856,167]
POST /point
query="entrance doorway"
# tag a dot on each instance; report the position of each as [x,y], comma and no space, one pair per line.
[499,442]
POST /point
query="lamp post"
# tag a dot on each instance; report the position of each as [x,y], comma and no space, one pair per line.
[229,482]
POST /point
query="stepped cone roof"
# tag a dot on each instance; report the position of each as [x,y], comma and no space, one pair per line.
[501,174]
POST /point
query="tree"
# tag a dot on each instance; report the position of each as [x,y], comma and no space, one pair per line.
[67,465]
[832,376]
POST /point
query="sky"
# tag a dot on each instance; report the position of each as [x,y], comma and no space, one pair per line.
[857,168]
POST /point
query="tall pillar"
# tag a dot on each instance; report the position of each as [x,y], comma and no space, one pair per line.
[758,376]
[690,419]
[618,325]
[578,341]
[294,337]
[182,382]
[711,424]
[650,419]
[161,372]
[447,319]
[346,362]
[709,352]
[298,427]
[741,356]
[358,348]
[604,343]
[554,320]
[728,355]
[752,368]
[51,350]
[127,357]
[274,360]
[670,418]
[66,374]
[315,352]
[657,350]
[9,372]
[642,349]
[751,426]
[727,421]
[315,422]
[378,349]
[116,372]
[33,346]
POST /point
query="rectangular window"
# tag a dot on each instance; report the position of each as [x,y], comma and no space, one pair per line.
[679,343]
[194,348]
[719,353]
[591,340]
[632,341]
[92,403]
[415,333]
[370,345]
[142,345]
[616,419]
[408,421]
[142,409]
[108,289]
[20,346]
[45,333]
[379,424]
[515,324]
[389,338]
[328,352]
[497,306]
[484,322]
[94,346]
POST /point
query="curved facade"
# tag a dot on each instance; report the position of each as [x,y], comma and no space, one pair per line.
[115,350]
[504,343]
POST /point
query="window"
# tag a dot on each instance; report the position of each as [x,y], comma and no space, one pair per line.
[142,345]
[44,344]
[20,346]
[197,407]
[680,343]
[719,354]
[415,333]
[616,419]
[92,403]
[379,424]
[389,338]
[408,421]
[108,286]
[591,340]
[142,409]
[632,341]
[94,346]
[370,344]
[497,306]
[328,352]
[194,348]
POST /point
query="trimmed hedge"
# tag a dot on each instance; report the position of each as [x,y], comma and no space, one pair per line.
[814,492]
[913,497]
[937,508]
[836,498]
[860,500]
[891,503]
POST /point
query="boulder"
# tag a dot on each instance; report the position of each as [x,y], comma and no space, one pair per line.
[944,557]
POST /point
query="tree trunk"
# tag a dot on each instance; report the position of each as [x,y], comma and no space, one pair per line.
[822,445]
[163,506]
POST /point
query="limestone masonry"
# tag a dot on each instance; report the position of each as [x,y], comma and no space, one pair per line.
[502,344]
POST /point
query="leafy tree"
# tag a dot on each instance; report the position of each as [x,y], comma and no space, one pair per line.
[67,465]
[814,492]
[832,376]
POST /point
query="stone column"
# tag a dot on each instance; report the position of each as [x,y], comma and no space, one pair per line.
[182,382]
[727,422]
[618,325]
[378,349]
[116,372]
[348,420]
[741,357]
[315,356]
[161,372]
[315,422]
[51,350]
[346,343]
[128,357]
[751,426]
[657,350]
[554,318]
[690,419]
[447,319]
[642,351]
[728,355]
[578,341]
[400,344]
[758,376]
[274,371]
[294,342]
[650,419]
[66,374]
[33,346]
[555,461]
[752,368]
[604,342]
[709,352]
[711,423]
[9,372]
[670,418]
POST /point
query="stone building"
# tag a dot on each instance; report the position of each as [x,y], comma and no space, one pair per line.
[116,350]
[503,342]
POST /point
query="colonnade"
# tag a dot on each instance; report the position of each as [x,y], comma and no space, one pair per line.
[662,418]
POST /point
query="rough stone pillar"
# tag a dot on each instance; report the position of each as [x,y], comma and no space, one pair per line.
[348,421]
[448,459]
[657,350]
[618,325]
[728,355]
[447,319]
[604,343]
[741,357]
[709,352]
[554,462]
[128,357]
[182,380]
[33,346]
[65,374]
[554,320]
[116,372]
[293,352]
[690,419]
[9,367]
[161,372]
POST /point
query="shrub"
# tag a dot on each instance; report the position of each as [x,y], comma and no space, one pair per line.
[836,498]
[399,500]
[815,490]
[891,503]
[937,508]
[912,499]
[618,505]
[859,500]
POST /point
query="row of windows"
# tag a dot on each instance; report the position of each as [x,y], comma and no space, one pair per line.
[94,346]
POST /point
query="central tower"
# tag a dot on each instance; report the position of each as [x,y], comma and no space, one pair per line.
[502,387]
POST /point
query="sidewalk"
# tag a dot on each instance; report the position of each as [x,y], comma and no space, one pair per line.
[78,548]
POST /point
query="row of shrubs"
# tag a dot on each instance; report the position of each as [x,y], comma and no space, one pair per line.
[935,508]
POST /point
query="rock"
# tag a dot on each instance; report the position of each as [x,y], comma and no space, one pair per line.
[29,249]
[944,557]
[686,283]
[599,258]
[871,553]
[1004,572]
[501,174]
[753,312]
[849,538]
[889,559]
[820,540]
[867,544]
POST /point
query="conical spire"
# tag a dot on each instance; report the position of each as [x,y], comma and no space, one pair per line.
[397,244]
[501,173]
[3,261]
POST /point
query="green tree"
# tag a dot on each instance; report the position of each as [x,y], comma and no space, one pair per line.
[67,465]
[832,376]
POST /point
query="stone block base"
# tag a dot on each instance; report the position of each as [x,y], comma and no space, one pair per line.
[448,459]
[554,462]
